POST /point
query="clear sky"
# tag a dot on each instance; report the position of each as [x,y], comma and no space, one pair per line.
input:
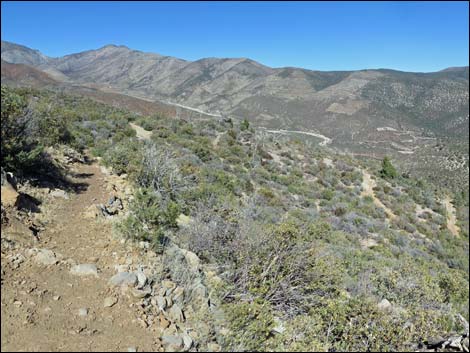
[408,36]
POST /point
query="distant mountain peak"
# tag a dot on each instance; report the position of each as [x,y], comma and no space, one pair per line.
[114,46]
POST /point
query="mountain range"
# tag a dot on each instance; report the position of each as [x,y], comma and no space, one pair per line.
[384,111]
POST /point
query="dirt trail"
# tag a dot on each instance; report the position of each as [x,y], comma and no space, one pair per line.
[142,134]
[215,142]
[40,304]
[368,185]
[451,216]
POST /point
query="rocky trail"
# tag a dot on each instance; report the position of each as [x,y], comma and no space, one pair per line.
[451,216]
[141,133]
[368,185]
[81,288]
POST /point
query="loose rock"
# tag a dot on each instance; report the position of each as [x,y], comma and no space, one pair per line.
[123,279]
[84,270]
[43,256]
[172,343]
[109,302]
[59,193]
[176,314]
[384,305]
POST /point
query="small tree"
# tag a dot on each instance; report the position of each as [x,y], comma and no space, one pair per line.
[245,125]
[388,170]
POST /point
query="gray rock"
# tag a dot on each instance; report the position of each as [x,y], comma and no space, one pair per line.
[141,278]
[161,302]
[60,193]
[187,341]
[172,343]
[176,314]
[84,270]
[192,260]
[132,349]
[109,302]
[137,293]
[169,302]
[465,343]
[123,279]
[178,295]
[43,256]
[384,305]
[82,312]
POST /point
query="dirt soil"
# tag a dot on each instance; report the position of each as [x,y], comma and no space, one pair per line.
[40,303]
[451,217]
[368,185]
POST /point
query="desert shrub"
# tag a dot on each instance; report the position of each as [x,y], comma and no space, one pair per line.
[358,325]
[250,326]
[388,171]
[280,265]
[149,216]
[123,156]
[327,194]
[270,197]
[160,171]
[245,125]
[203,153]
[19,152]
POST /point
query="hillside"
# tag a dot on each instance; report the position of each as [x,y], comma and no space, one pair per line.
[248,238]
[290,98]
[370,113]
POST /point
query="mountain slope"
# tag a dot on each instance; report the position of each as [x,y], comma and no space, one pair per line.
[367,112]
[334,103]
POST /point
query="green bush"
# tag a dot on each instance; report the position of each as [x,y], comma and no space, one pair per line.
[19,151]
[388,171]
[123,156]
[250,326]
[245,125]
[149,217]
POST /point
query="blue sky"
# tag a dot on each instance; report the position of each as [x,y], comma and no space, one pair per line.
[408,36]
